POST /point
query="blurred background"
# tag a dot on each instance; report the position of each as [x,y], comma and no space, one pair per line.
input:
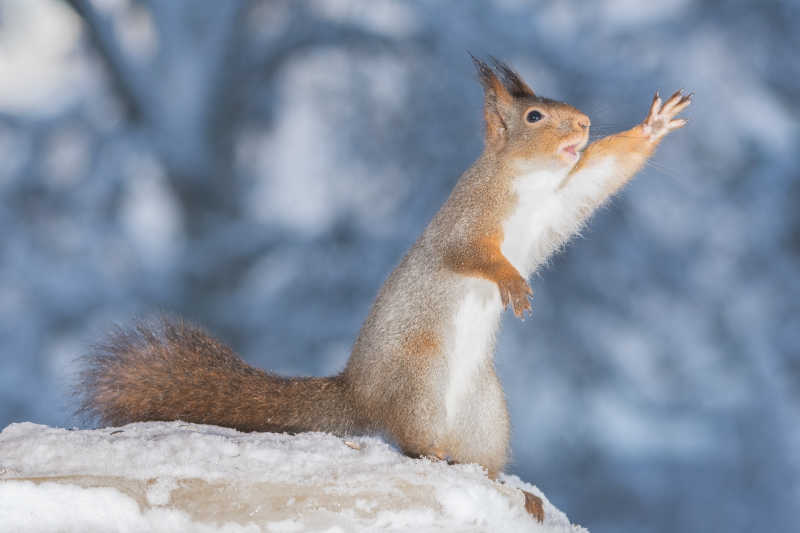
[260,166]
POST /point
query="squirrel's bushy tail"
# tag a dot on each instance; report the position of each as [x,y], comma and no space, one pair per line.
[174,371]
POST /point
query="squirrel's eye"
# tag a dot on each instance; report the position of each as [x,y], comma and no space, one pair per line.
[533,116]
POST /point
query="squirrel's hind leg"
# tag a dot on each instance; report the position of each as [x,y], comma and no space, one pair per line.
[433,453]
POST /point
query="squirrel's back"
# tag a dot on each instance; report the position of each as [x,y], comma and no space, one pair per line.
[171,370]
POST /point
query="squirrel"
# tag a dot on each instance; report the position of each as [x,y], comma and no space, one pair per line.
[421,372]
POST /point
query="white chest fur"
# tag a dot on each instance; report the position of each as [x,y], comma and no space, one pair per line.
[546,216]
[478,315]
[475,325]
[530,232]
[543,219]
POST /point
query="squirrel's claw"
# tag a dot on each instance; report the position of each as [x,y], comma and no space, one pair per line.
[672,101]
[654,107]
[677,123]
[516,292]
[676,103]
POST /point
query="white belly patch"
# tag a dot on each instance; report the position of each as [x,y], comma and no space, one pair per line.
[475,325]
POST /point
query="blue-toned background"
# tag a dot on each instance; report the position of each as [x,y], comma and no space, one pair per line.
[260,166]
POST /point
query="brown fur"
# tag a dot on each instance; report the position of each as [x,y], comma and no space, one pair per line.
[484,259]
[421,344]
[175,371]
[393,381]
[404,378]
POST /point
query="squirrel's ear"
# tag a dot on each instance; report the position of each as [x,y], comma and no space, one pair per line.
[511,80]
[498,102]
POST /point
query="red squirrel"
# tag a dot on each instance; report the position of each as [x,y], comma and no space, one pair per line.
[421,372]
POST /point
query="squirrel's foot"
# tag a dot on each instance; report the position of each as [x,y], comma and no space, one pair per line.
[438,454]
[534,505]
[516,292]
[660,119]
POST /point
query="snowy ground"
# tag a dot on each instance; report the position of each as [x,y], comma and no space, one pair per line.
[175,476]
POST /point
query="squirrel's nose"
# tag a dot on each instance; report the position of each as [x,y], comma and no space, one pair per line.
[584,122]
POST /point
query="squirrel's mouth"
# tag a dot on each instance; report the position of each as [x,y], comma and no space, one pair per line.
[571,150]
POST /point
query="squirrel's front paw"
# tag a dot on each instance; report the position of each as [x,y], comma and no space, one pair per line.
[515,290]
[660,119]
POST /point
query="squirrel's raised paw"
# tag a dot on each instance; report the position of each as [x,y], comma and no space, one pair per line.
[660,119]
[516,292]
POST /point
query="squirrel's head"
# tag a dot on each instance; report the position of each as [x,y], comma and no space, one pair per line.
[525,128]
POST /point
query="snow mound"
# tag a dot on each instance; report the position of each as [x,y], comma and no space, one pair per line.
[173,476]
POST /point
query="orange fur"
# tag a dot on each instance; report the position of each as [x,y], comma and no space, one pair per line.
[431,397]
[631,149]
[421,343]
[484,259]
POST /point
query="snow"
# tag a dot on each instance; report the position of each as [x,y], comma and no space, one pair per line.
[34,45]
[174,476]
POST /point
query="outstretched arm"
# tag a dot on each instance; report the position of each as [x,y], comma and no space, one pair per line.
[609,163]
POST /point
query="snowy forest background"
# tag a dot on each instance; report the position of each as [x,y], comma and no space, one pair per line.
[260,166]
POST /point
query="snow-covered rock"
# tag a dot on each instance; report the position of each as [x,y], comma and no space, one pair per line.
[173,476]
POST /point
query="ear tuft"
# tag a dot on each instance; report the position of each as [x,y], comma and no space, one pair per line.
[486,75]
[511,80]
[498,105]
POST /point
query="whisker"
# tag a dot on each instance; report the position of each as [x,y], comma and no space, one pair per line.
[611,124]
[662,168]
